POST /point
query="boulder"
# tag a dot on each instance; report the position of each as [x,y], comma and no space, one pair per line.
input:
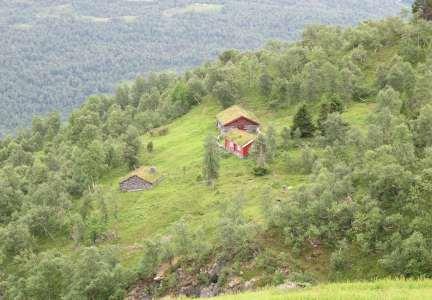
[251,284]
[189,291]
[288,285]
[235,284]
[210,291]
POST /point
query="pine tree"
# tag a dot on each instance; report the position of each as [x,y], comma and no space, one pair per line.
[211,160]
[303,122]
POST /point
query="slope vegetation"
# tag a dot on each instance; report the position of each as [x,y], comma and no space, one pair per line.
[337,186]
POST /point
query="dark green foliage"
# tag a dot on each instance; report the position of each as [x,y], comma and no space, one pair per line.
[150,147]
[151,258]
[45,277]
[303,122]
[97,275]
[235,234]
[225,92]
[411,258]
[423,8]
[16,238]
[227,56]
[334,129]
[211,160]
[260,171]
[132,146]
[326,108]
[266,84]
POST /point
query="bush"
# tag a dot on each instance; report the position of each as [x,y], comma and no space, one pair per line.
[150,147]
[260,171]
[302,278]
[278,278]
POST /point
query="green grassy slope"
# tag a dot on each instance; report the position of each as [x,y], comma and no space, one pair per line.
[382,289]
[178,155]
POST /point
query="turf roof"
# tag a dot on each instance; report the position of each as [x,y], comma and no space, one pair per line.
[240,137]
[234,112]
[144,173]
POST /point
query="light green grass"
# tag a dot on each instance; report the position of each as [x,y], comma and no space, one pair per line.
[178,155]
[378,290]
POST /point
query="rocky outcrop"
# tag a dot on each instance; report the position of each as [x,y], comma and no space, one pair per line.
[188,284]
[211,291]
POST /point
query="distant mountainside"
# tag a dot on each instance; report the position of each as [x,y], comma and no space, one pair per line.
[54,53]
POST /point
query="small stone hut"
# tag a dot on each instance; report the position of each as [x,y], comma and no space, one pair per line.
[141,179]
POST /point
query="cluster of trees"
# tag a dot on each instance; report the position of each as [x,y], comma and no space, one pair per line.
[91,274]
[49,175]
[235,241]
[57,53]
[369,193]
[369,190]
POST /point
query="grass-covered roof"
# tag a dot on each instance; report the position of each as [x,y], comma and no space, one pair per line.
[240,137]
[149,174]
[234,112]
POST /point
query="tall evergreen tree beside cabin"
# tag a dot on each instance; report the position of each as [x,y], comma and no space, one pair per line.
[211,160]
[303,122]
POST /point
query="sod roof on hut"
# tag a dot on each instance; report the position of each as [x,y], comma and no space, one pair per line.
[233,113]
[149,174]
[240,137]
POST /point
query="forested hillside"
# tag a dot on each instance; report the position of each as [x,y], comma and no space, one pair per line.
[338,185]
[55,53]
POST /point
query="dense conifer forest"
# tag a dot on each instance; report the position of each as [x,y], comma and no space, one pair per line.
[54,53]
[338,185]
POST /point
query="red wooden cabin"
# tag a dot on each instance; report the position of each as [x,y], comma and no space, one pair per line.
[236,117]
[239,142]
[238,127]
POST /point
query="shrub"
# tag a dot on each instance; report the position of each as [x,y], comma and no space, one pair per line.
[260,171]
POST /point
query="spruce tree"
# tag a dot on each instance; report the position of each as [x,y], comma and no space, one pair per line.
[211,160]
[303,122]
